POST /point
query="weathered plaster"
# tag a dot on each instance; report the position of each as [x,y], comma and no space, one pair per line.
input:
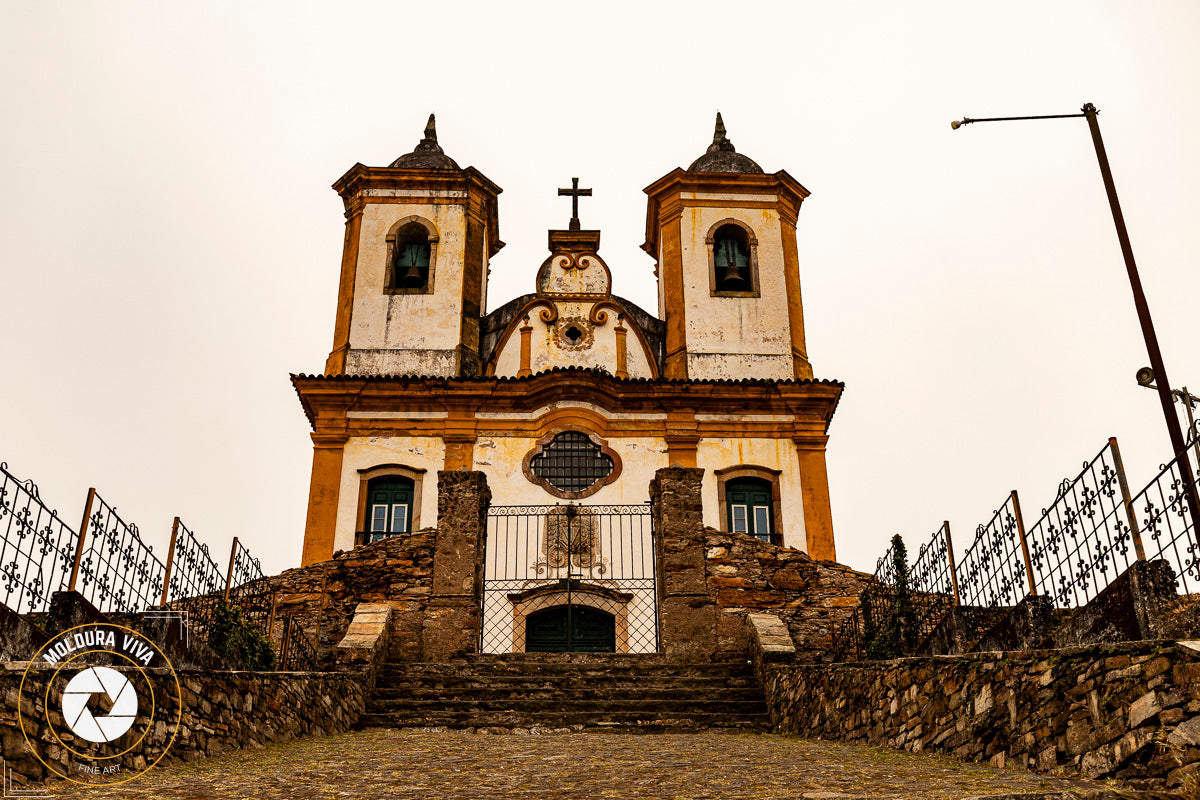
[499,457]
[424,323]
[735,337]
[547,349]
[780,454]
[418,452]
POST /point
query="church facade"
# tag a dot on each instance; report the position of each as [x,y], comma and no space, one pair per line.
[569,395]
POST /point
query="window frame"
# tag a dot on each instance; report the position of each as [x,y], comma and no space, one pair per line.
[541,444]
[365,517]
[710,245]
[431,238]
[756,472]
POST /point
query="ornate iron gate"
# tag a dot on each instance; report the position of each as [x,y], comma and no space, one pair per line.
[569,578]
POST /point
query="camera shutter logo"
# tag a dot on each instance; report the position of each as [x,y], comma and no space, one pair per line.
[121,694]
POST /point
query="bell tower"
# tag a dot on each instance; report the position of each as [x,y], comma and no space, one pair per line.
[724,235]
[419,236]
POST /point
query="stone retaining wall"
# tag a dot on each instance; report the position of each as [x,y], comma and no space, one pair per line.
[748,575]
[397,571]
[222,711]
[1130,711]
[710,581]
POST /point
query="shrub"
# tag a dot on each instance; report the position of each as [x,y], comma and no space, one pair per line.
[238,641]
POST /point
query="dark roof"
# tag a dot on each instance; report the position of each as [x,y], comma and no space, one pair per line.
[428,153]
[573,368]
[722,157]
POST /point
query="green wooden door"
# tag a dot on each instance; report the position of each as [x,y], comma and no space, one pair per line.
[749,508]
[578,629]
[389,507]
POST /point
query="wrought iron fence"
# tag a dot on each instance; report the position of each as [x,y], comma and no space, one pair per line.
[38,548]
[296,651]
[249,589]
[1166,524]
[1088,536]
[845,641]
[993,572]
[933,584]
[194,580]
[587,571]
[117,571]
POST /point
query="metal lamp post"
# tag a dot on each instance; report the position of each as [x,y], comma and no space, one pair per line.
[1178,443]
[1145,377]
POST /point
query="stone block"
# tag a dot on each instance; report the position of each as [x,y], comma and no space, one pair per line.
[1186,734]
[1144,708]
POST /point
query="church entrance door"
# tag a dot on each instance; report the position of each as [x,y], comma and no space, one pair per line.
[569,578]
[570,629]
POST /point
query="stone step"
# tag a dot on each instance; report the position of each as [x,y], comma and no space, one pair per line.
[568,691]
[563,706]
[614,721]
[568,671]
[484,690]
[564,683]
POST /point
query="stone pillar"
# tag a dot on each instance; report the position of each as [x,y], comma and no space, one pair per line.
[453,613]
[687,613]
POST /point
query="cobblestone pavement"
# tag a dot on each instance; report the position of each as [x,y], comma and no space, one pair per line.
[382,764]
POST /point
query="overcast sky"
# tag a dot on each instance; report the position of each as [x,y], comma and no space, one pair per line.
[170,246]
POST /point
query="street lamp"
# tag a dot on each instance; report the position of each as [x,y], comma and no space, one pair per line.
[1145,377]
[1178,445]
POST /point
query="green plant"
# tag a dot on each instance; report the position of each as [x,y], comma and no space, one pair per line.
[238,641]
[889,619]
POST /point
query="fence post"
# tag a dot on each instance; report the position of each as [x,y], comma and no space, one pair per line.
[1024,544]
[321,605]
[170,561]
[1130,514]
[229,573]
[281,661]
[950,558]
[87,512]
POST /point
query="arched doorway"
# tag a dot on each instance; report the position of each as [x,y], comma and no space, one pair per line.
[578,629]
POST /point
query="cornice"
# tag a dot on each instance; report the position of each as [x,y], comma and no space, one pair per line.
[815,400]
[481,192]
[664,199]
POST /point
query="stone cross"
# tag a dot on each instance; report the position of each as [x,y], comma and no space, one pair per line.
[575,193]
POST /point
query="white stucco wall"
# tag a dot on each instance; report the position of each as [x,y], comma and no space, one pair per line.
[414,322]
[414,452]
[500,457]
[780,454]
[546,349]
[755,330]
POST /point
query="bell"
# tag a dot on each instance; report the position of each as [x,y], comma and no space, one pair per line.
[412,277]
[732,279]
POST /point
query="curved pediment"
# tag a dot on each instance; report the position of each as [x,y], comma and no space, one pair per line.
[574,275]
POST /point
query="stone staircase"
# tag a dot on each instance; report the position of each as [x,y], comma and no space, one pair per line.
[562,692]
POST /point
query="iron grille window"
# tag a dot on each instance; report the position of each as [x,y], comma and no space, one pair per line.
[571,462]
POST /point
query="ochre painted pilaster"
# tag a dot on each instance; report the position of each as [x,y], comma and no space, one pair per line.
[459,437]
[474,265]
[323,490]
[336,363]
[675,359]
[791,274]
[814,490]
[460,452]
[683,437]
[622,352]
[526,346]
